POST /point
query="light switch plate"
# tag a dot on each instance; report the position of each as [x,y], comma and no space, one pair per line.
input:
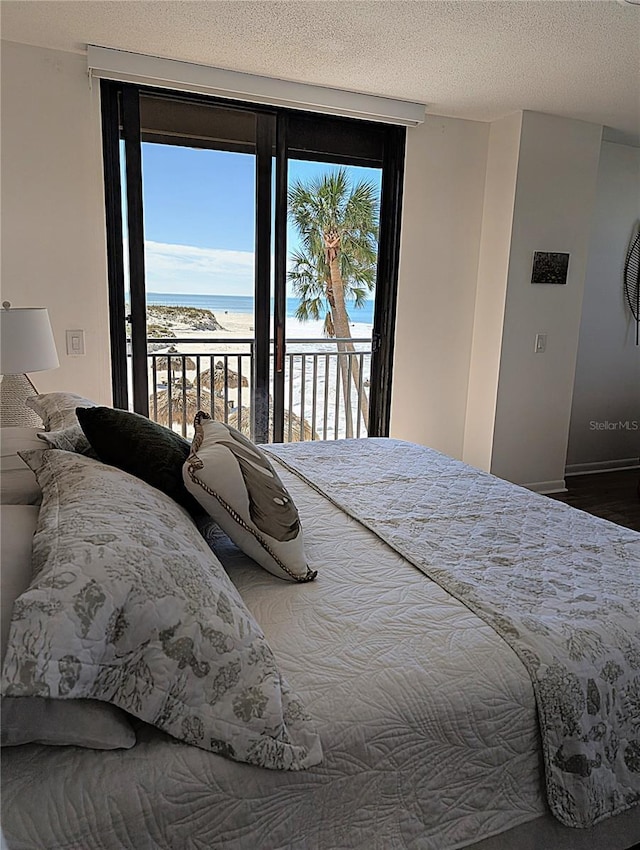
[75,343]
[541,344]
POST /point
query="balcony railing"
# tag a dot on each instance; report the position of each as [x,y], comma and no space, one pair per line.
[326,386]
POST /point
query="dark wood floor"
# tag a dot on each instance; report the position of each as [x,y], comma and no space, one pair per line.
[611,495]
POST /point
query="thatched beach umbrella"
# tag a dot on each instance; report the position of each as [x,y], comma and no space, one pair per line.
[296,425]
[219,378]
[160,410]
[241,423]
[162,363]
[296,428]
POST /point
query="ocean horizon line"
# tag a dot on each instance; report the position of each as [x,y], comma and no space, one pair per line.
[243,304]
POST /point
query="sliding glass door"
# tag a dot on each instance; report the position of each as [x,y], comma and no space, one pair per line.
[332,250]
[246,264]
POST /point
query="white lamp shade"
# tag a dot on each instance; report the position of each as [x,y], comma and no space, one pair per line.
[26,341]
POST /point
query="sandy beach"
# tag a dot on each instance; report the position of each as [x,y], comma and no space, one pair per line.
[302,371]
[242,325]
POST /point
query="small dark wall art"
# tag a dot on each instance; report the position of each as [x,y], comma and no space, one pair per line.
[549,267]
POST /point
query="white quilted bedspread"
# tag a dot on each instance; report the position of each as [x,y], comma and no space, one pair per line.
[561,587]
[427,720]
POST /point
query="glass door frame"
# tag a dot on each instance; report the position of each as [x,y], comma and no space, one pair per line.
[295,137]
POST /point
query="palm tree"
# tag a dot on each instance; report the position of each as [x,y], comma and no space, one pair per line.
[338,226]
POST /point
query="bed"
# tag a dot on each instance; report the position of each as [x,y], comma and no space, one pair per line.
[427,715]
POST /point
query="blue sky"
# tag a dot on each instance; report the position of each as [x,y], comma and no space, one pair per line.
[199,217]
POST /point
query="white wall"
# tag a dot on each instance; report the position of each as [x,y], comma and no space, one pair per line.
[555,196]
[53,223]
[53,235]
[607,382]
[443,197]
[493,270]
[54,254]
[466,378]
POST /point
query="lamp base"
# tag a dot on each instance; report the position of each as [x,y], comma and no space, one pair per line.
[14,391]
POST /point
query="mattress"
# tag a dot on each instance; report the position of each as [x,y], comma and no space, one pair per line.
[427,719]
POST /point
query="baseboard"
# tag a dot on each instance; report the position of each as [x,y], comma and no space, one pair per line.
[602,466]
[545,488]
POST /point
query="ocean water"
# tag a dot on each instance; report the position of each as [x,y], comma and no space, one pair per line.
[244,304]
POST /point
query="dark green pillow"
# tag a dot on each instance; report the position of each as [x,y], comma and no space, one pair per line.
[141,447]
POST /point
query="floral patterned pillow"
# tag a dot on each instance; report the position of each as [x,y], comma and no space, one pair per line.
[58,410]
[58,414]
[237,485]
[128,605]
[69,439]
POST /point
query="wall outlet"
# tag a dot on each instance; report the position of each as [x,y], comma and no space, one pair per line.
[75,343]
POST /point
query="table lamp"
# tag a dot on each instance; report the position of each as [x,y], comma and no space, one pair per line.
[26,345]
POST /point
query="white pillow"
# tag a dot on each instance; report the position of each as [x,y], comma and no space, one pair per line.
[82,723]
[58,410]
[58,414]
[17,526]
[237,485]
[18,485]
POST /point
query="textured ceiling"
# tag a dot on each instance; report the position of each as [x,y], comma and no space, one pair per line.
[472,59]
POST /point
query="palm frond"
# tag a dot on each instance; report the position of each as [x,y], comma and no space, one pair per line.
[311,309]
[359,296]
